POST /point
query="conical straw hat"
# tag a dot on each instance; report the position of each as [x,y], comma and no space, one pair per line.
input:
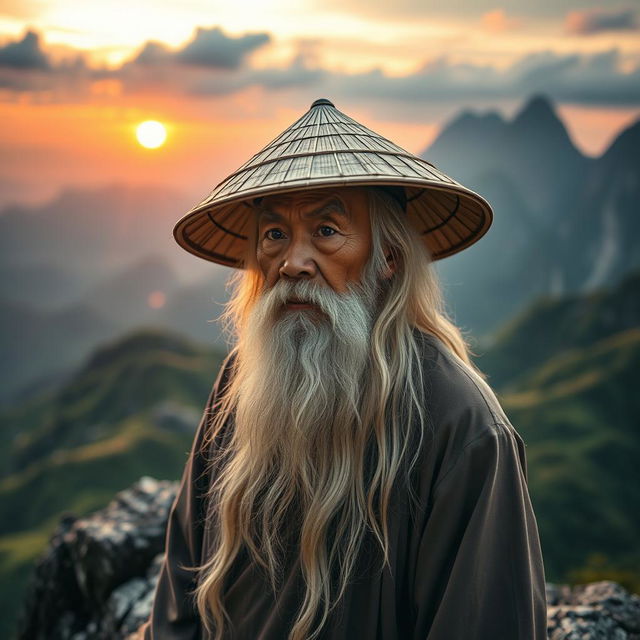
[326,148]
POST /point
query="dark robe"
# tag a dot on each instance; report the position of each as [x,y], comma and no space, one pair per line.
[466,564]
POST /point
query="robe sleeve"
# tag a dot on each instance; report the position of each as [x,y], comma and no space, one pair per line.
[174,615]
[480,573]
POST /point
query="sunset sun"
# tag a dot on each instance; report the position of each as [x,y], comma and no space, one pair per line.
[151,134]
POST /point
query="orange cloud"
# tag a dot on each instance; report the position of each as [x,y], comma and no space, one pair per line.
[590,21]
[108,87]
[498,21]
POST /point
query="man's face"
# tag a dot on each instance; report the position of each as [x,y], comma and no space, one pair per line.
[322,236]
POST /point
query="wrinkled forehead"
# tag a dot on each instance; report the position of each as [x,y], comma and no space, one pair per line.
[348,202]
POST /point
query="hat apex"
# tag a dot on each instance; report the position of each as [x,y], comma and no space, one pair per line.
[321,101]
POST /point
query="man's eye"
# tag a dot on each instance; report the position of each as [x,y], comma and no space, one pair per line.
[326,231]
[274,234]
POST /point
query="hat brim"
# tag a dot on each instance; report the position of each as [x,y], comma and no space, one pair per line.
[448,217]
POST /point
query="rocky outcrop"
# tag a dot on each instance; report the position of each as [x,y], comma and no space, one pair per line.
[97,579]
[595,611]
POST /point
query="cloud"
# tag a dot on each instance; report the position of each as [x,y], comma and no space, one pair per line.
[438,80]
[153,53]
[578,78]
[589,21]
[212,48]
[574,77]
[22,9]
[26,67]
[586,79]
[497,21]
[296,75]
[428,9]
[218,56]
[25,54]
[209,48]
[581,78]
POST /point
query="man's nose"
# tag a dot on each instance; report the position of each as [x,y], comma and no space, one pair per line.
[298,261]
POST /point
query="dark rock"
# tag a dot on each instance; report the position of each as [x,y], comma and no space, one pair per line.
[599,610]
[98,569]
[98,578]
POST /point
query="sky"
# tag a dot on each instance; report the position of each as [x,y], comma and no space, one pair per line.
[224,78]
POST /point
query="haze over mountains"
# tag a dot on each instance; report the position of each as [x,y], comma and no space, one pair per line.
[93,263]
[88,266]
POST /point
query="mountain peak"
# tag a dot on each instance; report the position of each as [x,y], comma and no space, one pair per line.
[538,124]
[135,344]
[467,128]
[625,144]
[469,118]
[537,110]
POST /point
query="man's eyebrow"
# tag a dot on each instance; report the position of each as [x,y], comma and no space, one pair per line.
[263,212]
[333,206]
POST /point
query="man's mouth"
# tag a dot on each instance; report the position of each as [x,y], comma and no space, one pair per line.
[299,303]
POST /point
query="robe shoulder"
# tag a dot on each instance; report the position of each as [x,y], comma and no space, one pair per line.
[461,409]
[462,405]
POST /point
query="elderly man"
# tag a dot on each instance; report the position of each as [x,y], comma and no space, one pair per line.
[353,475]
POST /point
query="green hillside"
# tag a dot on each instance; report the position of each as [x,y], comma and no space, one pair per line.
[72,450]
[578,413]
[554,325]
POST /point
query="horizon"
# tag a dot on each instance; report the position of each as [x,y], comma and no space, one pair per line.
[49,197]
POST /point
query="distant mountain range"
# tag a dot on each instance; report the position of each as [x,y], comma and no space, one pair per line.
[93,232]
[92,264]
[563,222]
[555,324]
[40,345]
[144,388]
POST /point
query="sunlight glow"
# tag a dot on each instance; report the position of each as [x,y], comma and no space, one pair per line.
[151,134]
[156,299]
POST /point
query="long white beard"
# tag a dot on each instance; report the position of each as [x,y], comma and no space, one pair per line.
[302,373]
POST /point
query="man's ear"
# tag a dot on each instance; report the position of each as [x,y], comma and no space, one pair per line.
[391,265]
